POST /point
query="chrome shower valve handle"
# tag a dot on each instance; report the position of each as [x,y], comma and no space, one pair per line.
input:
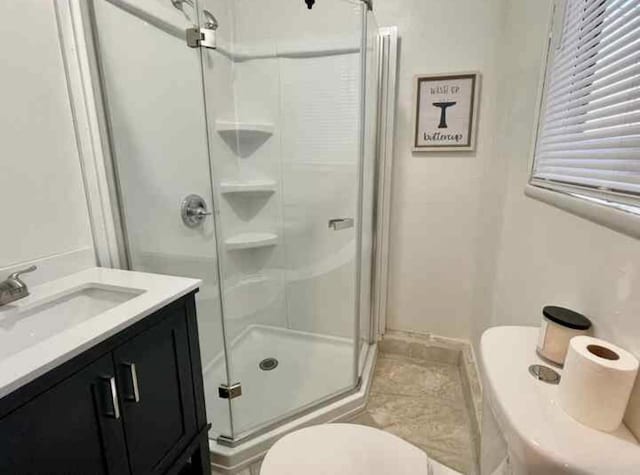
[194,210]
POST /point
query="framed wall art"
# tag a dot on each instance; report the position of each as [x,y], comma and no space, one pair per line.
[446,112]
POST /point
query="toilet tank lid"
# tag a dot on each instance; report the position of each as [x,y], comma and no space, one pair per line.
[533,423]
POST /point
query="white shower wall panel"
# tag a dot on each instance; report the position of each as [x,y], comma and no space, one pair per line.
[288,25]
[253,278]
[300,74]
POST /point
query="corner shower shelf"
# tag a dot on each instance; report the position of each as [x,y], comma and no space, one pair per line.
[264,187]
[229,126]
[250,241]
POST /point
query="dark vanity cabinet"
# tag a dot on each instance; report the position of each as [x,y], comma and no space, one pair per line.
[133,404]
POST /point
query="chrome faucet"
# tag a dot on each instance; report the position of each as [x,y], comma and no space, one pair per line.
[13,288]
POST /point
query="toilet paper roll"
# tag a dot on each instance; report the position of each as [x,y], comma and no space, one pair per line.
[596,383]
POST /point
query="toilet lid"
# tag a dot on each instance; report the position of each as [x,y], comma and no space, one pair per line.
[345,449]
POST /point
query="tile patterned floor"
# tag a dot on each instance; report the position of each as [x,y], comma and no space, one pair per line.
[422,402]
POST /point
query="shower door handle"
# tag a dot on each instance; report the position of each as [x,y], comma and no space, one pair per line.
[340,223]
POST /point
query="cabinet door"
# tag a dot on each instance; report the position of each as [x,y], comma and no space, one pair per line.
[156,391]
[72,428]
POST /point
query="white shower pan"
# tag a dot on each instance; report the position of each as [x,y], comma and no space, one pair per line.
[309,366]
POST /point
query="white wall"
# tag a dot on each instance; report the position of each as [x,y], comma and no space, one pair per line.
[42,201]
[468,249]
[444,205]
[548,256]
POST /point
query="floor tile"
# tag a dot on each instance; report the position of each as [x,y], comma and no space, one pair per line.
[422,402]
[425,422]
[414,377]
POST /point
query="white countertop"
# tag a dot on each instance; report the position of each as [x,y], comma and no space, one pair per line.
[153,291]
[534,424]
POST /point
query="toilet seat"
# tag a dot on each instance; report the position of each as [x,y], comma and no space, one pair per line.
[345,449]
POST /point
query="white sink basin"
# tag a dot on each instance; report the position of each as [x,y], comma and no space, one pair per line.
[64,317]
[23,326]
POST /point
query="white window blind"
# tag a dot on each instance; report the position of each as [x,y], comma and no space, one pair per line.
[589,130]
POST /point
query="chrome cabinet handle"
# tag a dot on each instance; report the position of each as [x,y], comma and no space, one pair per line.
[340,223]
[134,382]
[113,392]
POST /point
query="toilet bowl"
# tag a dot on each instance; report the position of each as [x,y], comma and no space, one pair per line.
[346,449]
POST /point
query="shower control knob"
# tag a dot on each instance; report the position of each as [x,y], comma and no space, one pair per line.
[194,210]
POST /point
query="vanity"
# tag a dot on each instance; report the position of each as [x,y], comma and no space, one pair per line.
[100,373]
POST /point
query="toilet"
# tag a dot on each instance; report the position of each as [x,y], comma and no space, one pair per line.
[346,449]
[526,432]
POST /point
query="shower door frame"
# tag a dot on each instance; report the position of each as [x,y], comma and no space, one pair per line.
[91,125]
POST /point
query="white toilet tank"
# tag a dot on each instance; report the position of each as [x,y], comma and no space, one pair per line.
[526,432]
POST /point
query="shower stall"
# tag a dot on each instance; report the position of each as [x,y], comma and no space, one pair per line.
[244,138]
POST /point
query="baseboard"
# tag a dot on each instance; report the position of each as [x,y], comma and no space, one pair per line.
[472,390]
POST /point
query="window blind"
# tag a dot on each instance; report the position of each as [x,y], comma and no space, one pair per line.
[589,130]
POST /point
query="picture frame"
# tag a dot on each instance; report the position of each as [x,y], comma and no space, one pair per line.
[446,112]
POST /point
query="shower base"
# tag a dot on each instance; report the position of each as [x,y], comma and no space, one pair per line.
[308,368]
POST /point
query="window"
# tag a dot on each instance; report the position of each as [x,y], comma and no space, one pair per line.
[588,137]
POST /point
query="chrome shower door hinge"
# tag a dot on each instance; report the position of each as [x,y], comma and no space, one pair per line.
[230,392]
[201,37]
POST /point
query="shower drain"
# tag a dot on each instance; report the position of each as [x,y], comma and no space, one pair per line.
[268,364]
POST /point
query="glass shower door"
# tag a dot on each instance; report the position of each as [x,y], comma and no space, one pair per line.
[152,84]
[283,92]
